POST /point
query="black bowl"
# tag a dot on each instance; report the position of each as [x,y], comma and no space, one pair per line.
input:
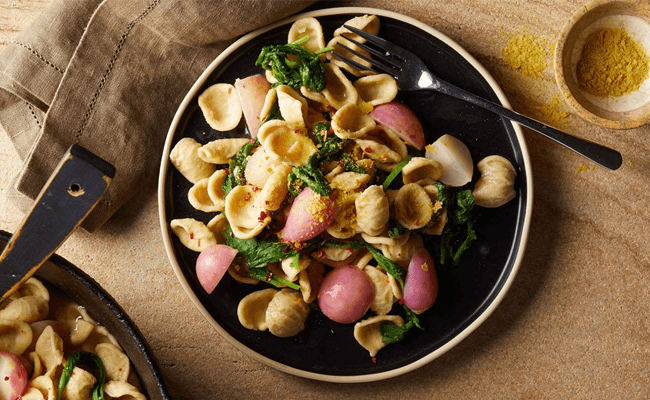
[63,276]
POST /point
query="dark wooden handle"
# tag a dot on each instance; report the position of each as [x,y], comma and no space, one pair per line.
[72,191]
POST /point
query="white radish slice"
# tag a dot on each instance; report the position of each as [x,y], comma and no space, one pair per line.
[252,92]
[212,264]
[455,158]
[400,120]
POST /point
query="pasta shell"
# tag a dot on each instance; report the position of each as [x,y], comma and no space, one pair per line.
[26,309]
[350,122]
[185,158]
[366,23]
[368,335]
[318,97]
[334,43]
[215,191]
[377,89]
[193,234]
[49,348]
[259,167]
[99,335]
[385,239]
[349,181]
[291,148]
[311,28]
[438,226]
[496,186]
[40,387]
[116,364]
[251,310]
[310,280]
[275,189]
[293,107]
[199,198]
[221,107]
[80,385]
[278,126]
[335,256]
[413,207]
[270,100]
[15,336]
[345,221]
[423,171]
[372,210]
[221,151]
[123,391]
[218,225]
[292,271]
[246,220]
[383,301]
[286,313]
[82,332]
[339,90]
[238,273]
[380,153]
[34,287]
[403,254]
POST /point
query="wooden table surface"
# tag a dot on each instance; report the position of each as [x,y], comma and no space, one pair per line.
[574,325]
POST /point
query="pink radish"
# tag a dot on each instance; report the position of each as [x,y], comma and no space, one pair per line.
[421,286]
[310,215]
[346,294]
[400,120]
[252,92]
[212,264]
[13,377]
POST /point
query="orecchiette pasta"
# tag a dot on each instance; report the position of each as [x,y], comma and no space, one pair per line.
[345,223]
[286,313]
[383,301]
[291,148]
[372,210]
[220,151]
[311,28]
[495,187]
[116,364]
[413,207]
[193,234]
[260,166]
[334,43]
[366,23]
[185,157]
[49,348]
[122,390]
[376,89]
[368,335]
[349,181]
[220,106]
[350,122]
[339,90]
[293,107]
[423,171]
[246,220]
[15,336]
[251,310]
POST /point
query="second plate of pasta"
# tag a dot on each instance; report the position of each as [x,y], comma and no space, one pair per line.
[192,210]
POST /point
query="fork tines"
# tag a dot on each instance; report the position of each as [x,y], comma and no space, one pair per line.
[386,61]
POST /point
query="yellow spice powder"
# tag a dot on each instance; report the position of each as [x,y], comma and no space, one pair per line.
[612,64]
[526,53]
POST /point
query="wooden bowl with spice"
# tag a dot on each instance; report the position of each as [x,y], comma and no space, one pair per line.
[602,63]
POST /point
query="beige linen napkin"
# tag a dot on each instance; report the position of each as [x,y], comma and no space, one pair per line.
[108,75]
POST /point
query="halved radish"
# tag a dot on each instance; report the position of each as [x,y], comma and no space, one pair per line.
[455,158]
[399,119]
[310,215]
[212,264]
[252,92]
[421,286]
[346,294]
[13,377]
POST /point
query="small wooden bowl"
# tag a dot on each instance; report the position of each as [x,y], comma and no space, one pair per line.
[628,111]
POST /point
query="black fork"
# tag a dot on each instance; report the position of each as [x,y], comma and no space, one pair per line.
[411,74]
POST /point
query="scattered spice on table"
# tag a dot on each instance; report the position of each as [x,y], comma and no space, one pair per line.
[612,64]
[527,53]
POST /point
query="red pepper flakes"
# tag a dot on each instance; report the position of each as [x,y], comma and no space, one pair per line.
[401,302]
[368,150]
[262,216]
[268,277]
[374,360]
[191,235]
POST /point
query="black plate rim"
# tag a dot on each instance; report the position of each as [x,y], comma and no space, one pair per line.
[167,234]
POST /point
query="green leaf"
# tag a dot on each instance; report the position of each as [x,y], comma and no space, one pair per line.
[73,361]
[259,252]
[306,70]
[392,333]
[263,274]
[237,167]
[396,171]
[390,266]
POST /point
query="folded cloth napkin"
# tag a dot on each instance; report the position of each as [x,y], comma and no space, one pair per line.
[108,75]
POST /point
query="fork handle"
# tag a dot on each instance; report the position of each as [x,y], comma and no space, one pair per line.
[608,158]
